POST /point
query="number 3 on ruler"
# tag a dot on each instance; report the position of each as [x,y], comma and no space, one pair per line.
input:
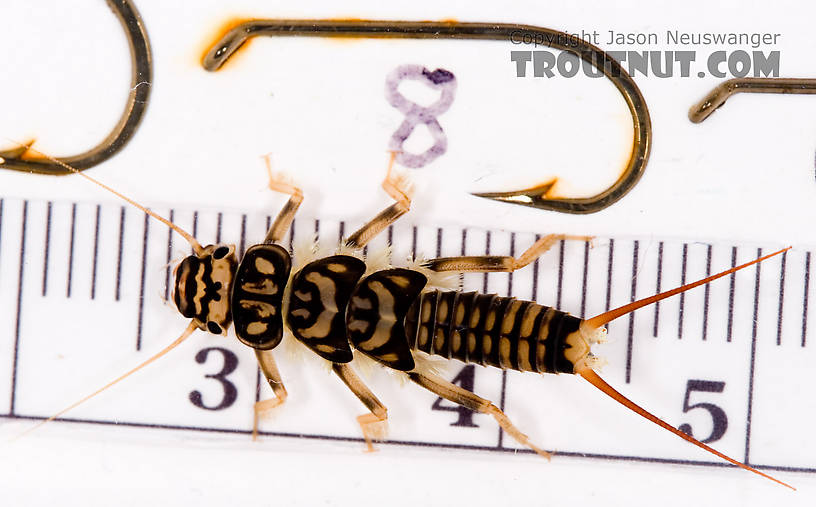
[441,80]
[230,391]
[719,419]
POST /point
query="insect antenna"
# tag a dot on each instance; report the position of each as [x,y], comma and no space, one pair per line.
[604,318]
[187,332]
[189,237]
[594,379]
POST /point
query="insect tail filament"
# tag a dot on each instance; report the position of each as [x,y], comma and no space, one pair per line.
[611,315]
[594,379]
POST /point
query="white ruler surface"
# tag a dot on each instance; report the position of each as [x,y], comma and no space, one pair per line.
[82,289]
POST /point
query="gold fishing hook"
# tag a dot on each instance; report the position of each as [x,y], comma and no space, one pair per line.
[537,196]
[717,97]
[18,159]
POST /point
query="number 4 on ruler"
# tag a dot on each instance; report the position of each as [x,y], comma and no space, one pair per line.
[465,380]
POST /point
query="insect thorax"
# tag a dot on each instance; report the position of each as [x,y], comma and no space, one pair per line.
[257,295]
[213,289]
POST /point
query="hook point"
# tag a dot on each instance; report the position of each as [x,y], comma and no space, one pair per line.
[538,193]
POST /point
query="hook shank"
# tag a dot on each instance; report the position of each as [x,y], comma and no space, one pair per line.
[717,97]
[536,197]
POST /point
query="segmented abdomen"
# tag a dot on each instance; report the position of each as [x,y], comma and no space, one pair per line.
[495,331]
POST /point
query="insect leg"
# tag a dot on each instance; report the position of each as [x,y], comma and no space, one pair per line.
[467,399]
[369,423]
[270,370]
[501,263]
[400,190]
[287,214]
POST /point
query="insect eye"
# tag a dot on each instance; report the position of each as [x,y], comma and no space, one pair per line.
[214,328]
[220,252]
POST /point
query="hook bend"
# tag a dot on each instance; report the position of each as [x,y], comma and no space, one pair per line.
[17,159]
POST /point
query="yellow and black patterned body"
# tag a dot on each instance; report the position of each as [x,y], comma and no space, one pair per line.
[257,296]
[496,331]
[213,289]
[385,315]
[375,320]
[203,285]
[319,294]
[389,317]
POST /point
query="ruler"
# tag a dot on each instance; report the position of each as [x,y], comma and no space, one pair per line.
[82,298]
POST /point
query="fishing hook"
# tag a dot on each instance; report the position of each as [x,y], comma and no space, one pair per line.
[140,84]
[717,97]
[537,196]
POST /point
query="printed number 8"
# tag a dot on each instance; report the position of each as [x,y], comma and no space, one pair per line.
[441,80]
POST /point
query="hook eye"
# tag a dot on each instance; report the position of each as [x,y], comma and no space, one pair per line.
[140,84]
[536,197]
[717,97]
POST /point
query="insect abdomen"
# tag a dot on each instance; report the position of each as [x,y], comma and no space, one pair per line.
[495,331]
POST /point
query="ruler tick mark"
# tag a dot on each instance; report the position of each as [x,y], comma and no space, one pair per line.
[707,294]
[753,363]
[503,396]
[632,296]
[584,280]
[142,283]
[657,289]
[96,250]
[258,383]
[463,249]
[560,274]
[781,299]
[47,248]
[682,294]
[805,298]
[195,224]
[291,232]
[71,251]
[609,274]
[487,252]
[169,255]
[119,255]
[534,294]
[242,241]
[731,297]
[439,242]
[512,254]
[19,307]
